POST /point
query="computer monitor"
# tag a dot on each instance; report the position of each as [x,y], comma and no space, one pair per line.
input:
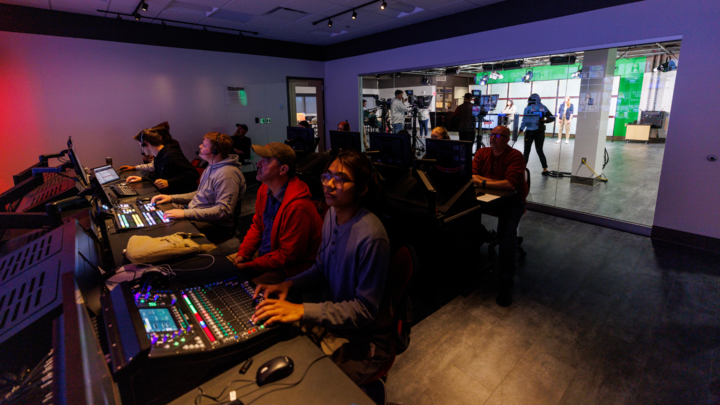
[476,93]
[345,140]
[105,174]
[453,157]
[489,101]
[409,92]
[79,168]
[301,139]
[392,149]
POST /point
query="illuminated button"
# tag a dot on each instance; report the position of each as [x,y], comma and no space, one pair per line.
[176,344]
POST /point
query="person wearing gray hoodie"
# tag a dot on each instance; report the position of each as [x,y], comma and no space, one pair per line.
[222,186]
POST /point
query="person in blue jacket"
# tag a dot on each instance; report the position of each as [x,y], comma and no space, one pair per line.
[565,113]
[535,116]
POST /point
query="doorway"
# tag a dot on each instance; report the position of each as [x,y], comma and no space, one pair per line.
[306,103]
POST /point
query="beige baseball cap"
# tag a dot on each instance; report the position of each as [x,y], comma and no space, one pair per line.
[283,153]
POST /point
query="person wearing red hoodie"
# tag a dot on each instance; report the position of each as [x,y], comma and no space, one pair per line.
[286,230]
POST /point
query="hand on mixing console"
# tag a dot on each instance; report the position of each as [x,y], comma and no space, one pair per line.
[174,214]
[133,179]
[160,183]
[280,290]
[161,199]
[278,311]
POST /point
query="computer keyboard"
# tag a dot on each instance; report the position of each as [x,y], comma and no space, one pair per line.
[122,190]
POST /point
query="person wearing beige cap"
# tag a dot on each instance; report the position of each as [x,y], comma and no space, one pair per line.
[286,229]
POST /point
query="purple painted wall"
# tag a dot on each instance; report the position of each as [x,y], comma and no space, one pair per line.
[689,195]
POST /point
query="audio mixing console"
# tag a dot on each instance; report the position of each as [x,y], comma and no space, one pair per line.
[166,336]
[132,216]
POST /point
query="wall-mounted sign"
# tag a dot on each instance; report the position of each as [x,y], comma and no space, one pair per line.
[440,78]
[236,96]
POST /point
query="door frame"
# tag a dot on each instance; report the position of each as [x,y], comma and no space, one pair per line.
[321,143]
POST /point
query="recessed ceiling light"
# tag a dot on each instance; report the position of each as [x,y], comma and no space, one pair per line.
[329,23]
[354,15]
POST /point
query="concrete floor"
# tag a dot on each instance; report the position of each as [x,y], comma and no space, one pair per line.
[600,317]
[629,195]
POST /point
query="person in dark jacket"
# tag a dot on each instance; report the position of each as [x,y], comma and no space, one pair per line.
[172,173]
[535,116]
[466,124]
[353,324]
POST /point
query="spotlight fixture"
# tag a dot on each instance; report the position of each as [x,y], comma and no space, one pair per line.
[484,80]
[377,76]
[528,76]
[383,5]
[496,76]
[354,15]
[144,6]
[397,74]
[329,23]
[137,17]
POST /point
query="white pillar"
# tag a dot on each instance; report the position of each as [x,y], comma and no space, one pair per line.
[593,111]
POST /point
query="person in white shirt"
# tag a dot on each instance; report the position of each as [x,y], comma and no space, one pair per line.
[509,112]
[398,110]
[424,119]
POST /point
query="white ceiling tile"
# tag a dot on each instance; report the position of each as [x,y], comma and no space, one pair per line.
[484,2]
[219,23]
[79,6]
[208,3]
[179,16]
[389,25]
[303,25]
[234,16]
[308,6]
[333,10]
[253,6]
[29,3]
[420,17]
[452,8]
[376,18]
[263,24]
[429,4]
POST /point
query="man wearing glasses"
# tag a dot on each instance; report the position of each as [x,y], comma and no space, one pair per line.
[502,167]
[286,229]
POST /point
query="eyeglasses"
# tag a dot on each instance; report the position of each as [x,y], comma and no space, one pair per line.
[497,135]
[325,179]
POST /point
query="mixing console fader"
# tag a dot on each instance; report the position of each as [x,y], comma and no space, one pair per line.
[179,332]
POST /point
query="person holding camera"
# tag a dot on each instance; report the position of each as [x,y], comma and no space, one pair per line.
[398,110]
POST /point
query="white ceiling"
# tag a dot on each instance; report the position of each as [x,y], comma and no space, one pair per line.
[293,25]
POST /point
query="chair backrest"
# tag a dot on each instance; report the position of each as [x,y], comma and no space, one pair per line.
[527,177]
[196,162]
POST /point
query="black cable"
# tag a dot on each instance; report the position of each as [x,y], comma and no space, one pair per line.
[606,159]
[222,393]
[291,385]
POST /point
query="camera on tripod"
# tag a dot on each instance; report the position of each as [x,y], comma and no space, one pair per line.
[417,102]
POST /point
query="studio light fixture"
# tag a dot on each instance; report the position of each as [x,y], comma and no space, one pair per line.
[383,5]
[329,23]
[137,17]
[377,76]
[577,74]
[484,80]
[354,15]
[496,76]
[144,7]
[528,76]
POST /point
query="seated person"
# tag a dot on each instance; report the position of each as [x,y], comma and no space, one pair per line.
[344,126]
[439,133]
[286,229]
[355,320]
[304,124]
[502,167]
[147,166]
[222,185]
[241,143]
[172,172]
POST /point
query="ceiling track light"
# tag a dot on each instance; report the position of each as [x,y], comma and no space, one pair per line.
[163,22]
[383,5]
[354,15]
[144,6]
[329,23]
[137,17]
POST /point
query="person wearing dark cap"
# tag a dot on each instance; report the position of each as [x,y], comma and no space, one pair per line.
[241,143]
[466,122]
[285,233]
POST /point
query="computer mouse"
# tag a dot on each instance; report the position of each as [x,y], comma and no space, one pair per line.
[273,370]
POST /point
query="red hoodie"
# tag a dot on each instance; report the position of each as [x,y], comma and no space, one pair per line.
[296,233]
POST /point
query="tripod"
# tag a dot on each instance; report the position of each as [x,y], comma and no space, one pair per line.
[416,145]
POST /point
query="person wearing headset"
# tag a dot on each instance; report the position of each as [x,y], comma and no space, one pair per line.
[147,166]
[172,172]
[353,324]
[285,232]
[222,185]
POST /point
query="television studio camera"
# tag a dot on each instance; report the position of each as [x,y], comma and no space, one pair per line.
[416,104]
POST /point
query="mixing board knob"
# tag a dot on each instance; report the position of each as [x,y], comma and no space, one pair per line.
[165,338]
[173,301]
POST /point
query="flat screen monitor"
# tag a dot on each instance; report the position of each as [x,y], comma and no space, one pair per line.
[409,92]
[476,93]
[344,140]
[79,168]
[490,121]
[453,157]
[105,174]
[489,101]
[392,149]
[301,139]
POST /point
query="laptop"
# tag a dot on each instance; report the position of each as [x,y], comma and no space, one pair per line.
[108,177]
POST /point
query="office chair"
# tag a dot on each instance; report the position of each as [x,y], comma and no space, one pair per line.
[493,241]
[403,264]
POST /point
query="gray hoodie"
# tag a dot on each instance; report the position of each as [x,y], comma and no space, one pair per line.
[222,185]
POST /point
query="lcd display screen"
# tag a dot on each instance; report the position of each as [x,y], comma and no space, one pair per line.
[157,320]
[106,174]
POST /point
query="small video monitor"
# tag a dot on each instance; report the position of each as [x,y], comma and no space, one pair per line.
[79,168]
[105,174]
[301,139]
[409,92]
[476,93]
[489,101]
[476,110]
[391,149]
[453,157]
[158,320]
[342,140]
